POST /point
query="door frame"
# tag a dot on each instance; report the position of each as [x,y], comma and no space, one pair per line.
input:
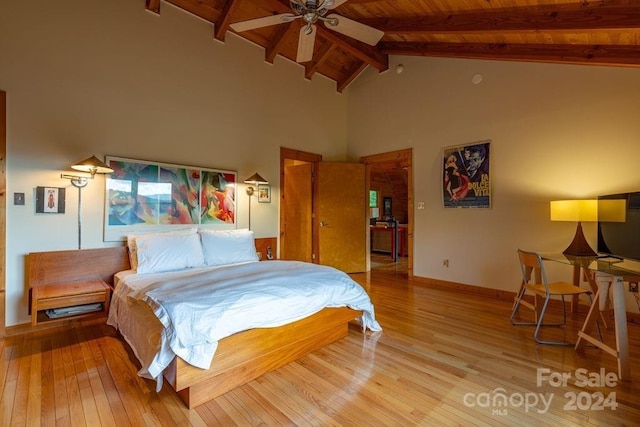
[288,155]
[403,158]
[3,210]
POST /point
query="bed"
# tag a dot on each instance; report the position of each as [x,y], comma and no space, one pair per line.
[198,308]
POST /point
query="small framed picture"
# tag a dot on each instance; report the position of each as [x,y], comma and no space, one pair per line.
[264,193]
[49,200]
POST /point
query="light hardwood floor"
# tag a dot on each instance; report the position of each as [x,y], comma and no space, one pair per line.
[440,355]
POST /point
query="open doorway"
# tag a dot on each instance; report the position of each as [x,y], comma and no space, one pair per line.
[322,220]
[390,187]
[297,244]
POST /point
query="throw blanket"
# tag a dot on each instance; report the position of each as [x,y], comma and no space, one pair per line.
[202,306]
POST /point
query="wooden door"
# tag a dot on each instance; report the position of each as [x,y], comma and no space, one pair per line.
[297,212]
[340,216]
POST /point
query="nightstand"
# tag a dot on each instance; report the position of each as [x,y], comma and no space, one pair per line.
[68,295]
[264,246]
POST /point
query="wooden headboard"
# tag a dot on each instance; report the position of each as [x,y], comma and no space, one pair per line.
[81,265]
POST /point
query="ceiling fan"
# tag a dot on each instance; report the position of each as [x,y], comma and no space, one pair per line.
[312,11]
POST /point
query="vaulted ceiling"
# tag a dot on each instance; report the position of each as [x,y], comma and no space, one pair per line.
[604,32]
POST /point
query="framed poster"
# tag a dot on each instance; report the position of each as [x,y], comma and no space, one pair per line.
[50,200]
[264,193]
[466,176]
[143,196]
[387,207]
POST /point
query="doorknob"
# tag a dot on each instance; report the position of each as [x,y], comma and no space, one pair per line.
[323,224]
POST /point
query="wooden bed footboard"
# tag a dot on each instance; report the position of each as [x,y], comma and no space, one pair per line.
[245,356]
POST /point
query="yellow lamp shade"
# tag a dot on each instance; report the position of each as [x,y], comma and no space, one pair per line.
[574,210]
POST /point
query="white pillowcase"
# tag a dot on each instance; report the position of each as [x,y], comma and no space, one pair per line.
[222,247]
[167,252]
[133,251]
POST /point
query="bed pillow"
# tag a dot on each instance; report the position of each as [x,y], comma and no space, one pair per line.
[222,247]
[168,252]
[131,243]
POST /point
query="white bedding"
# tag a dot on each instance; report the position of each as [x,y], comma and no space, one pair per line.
[198,307]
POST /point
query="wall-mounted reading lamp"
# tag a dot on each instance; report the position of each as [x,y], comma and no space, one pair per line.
[254,180]
[586,210]
[92,165]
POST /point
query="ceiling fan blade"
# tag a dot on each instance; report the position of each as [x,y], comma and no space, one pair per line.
[306,43]
[337,3]
[266,21]
[356,30]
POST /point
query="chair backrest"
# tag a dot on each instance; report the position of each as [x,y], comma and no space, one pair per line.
[532,268]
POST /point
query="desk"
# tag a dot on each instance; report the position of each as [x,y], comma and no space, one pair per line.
[608,272]
[401,238]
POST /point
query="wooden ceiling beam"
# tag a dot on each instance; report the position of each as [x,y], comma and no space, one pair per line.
[275,45]
[579,17]
[360,50]
[222,23]
[350,76]
[319,58]
[627,56]
[153,6]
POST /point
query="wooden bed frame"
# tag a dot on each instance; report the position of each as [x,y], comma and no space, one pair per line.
[239,358]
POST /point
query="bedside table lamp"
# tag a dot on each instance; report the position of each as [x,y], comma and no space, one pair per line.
[92,165]
[254,180]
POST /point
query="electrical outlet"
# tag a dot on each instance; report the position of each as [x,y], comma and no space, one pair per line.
[633,287]
[445,263]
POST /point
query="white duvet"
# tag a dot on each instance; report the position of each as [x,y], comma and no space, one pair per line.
[198,307]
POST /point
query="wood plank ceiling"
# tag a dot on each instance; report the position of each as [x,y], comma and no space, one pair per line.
[604,32]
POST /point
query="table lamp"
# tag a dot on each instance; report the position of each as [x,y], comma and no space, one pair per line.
[586,210]
[576,211]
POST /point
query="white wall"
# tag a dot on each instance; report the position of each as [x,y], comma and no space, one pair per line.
[557,131]
[88,77]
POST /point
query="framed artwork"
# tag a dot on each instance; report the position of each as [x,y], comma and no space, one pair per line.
[466,176]
[264,193]
[50,200]
[149,196]
[387,208]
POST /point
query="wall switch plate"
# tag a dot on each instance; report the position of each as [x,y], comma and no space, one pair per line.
[18,199]
[420,205]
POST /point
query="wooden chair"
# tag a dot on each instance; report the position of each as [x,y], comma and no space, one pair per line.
[534,281]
